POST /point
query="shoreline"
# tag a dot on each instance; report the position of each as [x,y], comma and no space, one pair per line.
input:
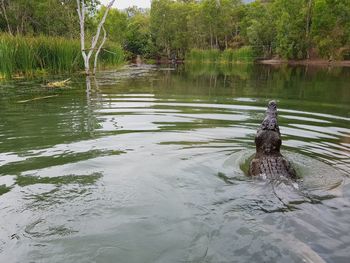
[305,62]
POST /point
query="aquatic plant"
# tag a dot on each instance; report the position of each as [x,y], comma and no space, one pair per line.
[112,54]
[27,55]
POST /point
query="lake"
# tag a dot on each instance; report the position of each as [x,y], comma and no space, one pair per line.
[148,164]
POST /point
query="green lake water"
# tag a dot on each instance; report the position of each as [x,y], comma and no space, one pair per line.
[147,164]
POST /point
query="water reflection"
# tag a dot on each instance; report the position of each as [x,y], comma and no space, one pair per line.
[58,180]
[148,165]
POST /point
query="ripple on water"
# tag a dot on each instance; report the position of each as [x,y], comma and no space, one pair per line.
[139,168]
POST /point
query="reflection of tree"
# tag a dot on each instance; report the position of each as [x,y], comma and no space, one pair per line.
[66,117]
[90,120]
[304,87]
[93,100]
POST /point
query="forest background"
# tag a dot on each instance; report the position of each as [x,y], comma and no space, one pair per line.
[283,29]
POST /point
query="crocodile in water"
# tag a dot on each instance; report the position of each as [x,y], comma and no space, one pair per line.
[268,162]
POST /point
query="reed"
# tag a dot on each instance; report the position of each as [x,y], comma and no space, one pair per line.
[243,54]
[112,54]
[27,55]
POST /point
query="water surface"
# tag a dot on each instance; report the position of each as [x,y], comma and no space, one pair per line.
[148,164]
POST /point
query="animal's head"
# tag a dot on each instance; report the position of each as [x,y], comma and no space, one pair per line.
[272,105]
[272,108]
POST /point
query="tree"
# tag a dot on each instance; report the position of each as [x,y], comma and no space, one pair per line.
[259,28]
[138,40]
[87,53]
[42,17]
[330,29]
[161,25]
[116,24]
[3,11]
[290,20]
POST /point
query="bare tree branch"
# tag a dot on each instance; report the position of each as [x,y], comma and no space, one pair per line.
[81,9]
[99,49]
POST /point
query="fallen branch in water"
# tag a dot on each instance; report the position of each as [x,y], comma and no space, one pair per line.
[37,98]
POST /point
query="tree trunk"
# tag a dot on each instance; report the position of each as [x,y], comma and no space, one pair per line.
[81,14]
[5,16]
[308,27]
[211,38]
[99,49]
[87,53]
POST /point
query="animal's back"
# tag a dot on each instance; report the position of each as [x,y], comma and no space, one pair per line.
[268,161]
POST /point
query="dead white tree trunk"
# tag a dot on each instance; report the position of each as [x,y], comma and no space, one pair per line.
[99,49]
[87,53]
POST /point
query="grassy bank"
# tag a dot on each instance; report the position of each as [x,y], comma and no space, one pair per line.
[243,54]
[28,55]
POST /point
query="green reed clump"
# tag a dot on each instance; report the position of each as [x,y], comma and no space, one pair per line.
[7,54]
[26,55]
[243,54]
[226,56]
[57,54]
[23,55]
[204,56]
[112,54]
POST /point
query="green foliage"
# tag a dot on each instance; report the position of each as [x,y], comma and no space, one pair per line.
[287,29]
[138,36]
[204,56]
[129,28]
[116,24]
[291,41]
[112,54]
[168,25]
[259,29]
[331,27]
[25,55]
[49,17]
[177,26]
[295,29]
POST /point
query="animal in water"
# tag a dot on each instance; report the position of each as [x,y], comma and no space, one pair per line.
[268,162]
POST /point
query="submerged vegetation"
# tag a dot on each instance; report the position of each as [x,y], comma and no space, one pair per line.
[27,55]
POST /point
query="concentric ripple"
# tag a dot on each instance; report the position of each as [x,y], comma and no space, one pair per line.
[148,165]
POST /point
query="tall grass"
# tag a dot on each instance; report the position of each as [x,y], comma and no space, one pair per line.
[26,55]
[243,54]
[112,54]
